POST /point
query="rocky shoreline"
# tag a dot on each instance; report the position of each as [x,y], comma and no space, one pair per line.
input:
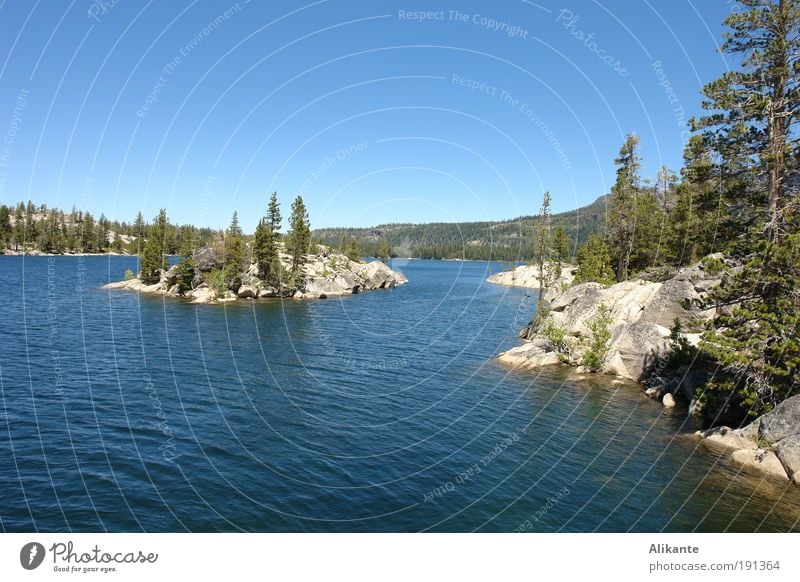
[770,445]
[640,317]
[325,274]
[527,276]
[642,340]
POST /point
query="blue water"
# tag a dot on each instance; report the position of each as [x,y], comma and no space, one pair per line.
[384,411]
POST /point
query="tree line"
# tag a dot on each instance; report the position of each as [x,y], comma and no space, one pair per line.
[27,227]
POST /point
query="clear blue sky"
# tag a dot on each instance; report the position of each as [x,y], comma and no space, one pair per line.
[371,113]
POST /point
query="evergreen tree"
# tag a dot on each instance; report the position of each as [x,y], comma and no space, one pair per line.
[757,341]
[138,230]
[87,233]
[6,231]
[266,251]
[562,246]
[622,221]
[694,216]
[665,188]
[543,244]
[19,227]
[594,262]
[648,231]
[299,237]
[756,109]
[234,253]
[354,250]
[274,214]
[755,338]
[153,260]
[384,252]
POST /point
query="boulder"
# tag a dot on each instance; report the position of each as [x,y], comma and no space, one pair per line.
[668,302]
[531,355]
[205,258]
[268,292]
[638,344]
[668,401]
[727,439]
[247,292]
[760,461]
[616,367]
[376,275]
[202,295]
[527,276]
[788,451]
[781,422]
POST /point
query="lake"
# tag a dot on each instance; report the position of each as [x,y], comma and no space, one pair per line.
[384,411]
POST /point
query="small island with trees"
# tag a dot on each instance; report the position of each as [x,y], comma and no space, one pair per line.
[232,266]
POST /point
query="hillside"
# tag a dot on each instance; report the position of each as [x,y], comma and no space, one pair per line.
[508,240]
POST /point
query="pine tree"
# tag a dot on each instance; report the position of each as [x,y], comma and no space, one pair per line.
[265,244]
[648,231]
[754,340]
[138,230]
[153,260]
[562,245]
[543,244]
[299,237]
[696,207]
[6,231]
[234,253]
[353,251]
[622,221]
[19,227]
[87,233]
[665,188]
[274,214]
[756,109]
[384,252]
[594,262]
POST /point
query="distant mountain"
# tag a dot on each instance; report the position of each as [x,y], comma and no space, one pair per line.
[507,240]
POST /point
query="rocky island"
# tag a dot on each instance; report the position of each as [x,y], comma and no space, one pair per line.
[325,274]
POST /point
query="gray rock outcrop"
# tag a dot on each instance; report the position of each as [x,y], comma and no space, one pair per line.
[641,314]
[769,445]
[527,276]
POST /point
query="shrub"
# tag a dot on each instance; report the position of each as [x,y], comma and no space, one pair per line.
[216,281]
[595,356]
[184,275]
[128,275]
[556,335]
[712,265]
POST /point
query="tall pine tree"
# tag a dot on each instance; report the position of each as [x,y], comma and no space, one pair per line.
[622,221]
[298,239]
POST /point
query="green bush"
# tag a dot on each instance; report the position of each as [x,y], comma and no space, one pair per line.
[216,281]
[184,275]
[556,335]
[128,275]
[595,356]
[712,265]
